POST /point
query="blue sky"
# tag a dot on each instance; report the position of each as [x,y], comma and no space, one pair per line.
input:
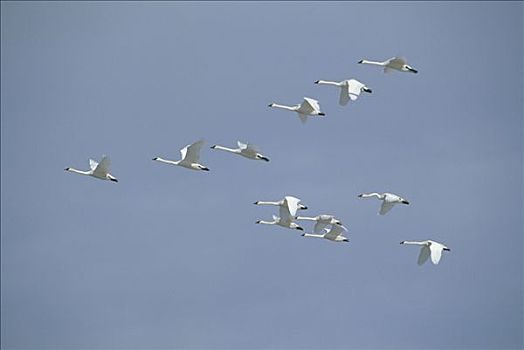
[171,258]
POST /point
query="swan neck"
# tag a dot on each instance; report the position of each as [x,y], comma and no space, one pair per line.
[326,82]
[313,235]
[81,172]
[267,203]
[306,218]
[375,63]
[227,149]
[162,160]
[289,108]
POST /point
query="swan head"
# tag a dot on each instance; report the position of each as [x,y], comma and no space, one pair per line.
[410,69]
[261,157]
[156,158]
[360,62]
[317,82]
[257,222]
[271,105]
[297,227]
[366,89]
[403,201]
[321,114]
[302,206]
[213,147]
[67,169]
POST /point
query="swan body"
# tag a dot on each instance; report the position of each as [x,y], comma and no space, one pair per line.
[334,234]
[429,248]
[98,170]
[322,221]
[190,157]
[309,107]
[349,89]
[244,149]
[291,203]
[285,220]
[396,63]
[388,200]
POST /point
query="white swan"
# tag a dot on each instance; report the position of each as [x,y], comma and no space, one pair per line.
[334,234]
[322,221]
[349,89]
[244,149]
[190,157]
[428,248]
[291,203]
[285,220]
[396,63]
[98,170]
[309,107]
[388,200]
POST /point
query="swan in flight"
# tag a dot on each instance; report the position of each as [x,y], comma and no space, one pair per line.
[349,89]
[285,220]
[309,107]
[244,149]
[98,170]
[291,203]
[322,221]
[334,234]
[388,200]
[190,157]
[428,248]
[396,63]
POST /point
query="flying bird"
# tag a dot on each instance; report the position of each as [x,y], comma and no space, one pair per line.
[309,107]
[349,89]
[291,203]
[98,170]
[190,157]
[428,248]
[388,200]
[321,221]
[334,234]
[244,149]
[285,220]
[396,63]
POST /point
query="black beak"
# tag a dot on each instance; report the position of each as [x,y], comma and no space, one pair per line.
[322,114]
[303,235]
[360,61]
[405,202]
[155,158]
[303,207]
[270,105]
[413,70]
[367,90]
[205,169]
[447,249]
[213,147]
[66,169]
[316,82]
[115,180]
[258,222]
[300,228]
[264,158]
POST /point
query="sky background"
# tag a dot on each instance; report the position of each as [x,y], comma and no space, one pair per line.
[172,258]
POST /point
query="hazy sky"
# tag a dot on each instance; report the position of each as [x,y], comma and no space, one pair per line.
[172,258]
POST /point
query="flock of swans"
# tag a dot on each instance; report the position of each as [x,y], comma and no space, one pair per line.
[326,226]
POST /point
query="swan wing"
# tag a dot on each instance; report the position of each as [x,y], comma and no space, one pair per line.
[93,164]
[285,216]
[191,153]
[292,204]
[320,226]
[344,95]
[241,145]
[423,256]
[309,106]
[396,62]
[385,207]
[335,231]
[436,253]
[354,89]
[103,167]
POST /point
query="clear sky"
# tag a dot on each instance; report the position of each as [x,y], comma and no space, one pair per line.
[172,258]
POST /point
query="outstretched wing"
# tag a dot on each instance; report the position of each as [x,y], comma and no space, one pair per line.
[292,204]
[241,145]
[423,256]
[191,153]
[385,207]
[335,231]
[320,226]
[344,95]
[354,89]
[285,216]
[93,164]
[103,167]
[396,62]
[436,253]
